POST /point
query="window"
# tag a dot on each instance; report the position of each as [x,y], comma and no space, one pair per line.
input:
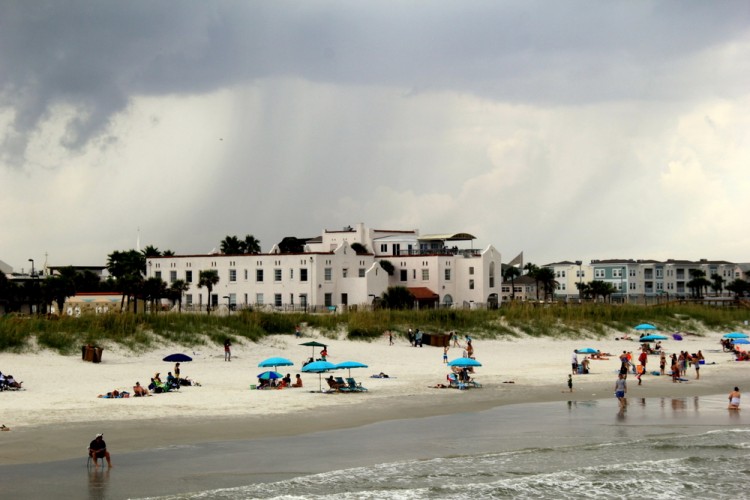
[303,274]
[188,276]
[291,275]
[659,272]
[396,249]
[328,299]
[172,276]
[447,275]
[327,274]
[344,272]
[471,270]
[157,275]
[277,275]
[303,300]
[189,299]
[259,298]
[471,284]
[277,299]
[384,247]
[259,275]
[599,273]
[425,274]
[617,273]
[344,299]
[232,275]
[361,272]
[404,275]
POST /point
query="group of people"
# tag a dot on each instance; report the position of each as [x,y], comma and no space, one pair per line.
[415,337]
[9,383]
[279,383]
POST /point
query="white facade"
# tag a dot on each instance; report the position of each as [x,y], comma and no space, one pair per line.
[330,274]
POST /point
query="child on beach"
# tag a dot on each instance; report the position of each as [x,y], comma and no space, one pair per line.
[570,382]
[445,354]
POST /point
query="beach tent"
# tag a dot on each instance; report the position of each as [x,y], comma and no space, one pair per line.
[313,344]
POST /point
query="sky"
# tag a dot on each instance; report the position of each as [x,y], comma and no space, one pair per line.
[567,130]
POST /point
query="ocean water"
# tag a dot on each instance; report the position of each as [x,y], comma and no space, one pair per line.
[656,448]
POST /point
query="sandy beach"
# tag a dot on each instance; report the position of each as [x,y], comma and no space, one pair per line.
[58,413]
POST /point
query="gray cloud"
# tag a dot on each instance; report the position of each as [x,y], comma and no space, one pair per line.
[96,56]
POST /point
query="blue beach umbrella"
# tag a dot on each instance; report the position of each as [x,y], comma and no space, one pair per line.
[645,326]
[350,365]
[653,336]
[319,367]
[586,350]
[267,363]
[735,335]
[270,375]
[741,341]
[464,362]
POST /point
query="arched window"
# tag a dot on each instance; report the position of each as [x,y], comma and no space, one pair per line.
[492,274]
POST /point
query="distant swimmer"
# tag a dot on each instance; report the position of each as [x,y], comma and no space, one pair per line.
[734,399]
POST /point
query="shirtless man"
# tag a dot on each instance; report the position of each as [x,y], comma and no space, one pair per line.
[734,399]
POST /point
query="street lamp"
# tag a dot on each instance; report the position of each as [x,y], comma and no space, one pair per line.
[33,288]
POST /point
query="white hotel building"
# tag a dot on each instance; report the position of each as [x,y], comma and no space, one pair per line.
[329,274]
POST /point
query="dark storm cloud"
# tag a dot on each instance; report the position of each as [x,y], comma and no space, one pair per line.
[95,56]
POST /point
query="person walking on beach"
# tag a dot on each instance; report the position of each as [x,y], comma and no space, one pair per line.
[418,338]
[621,388]
[734,399]
[411,337]
[390,337]
[227,350]
[456,343]
[98,450]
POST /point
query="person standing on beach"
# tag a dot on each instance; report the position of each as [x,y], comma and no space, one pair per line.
[662,362]
[570,383]
[456,343]
[624,363]
[734,399]
[621,388]
[574,361]
[177,372]
[418,338]
[445,355]
[227,350]
[390,337]
[411,337]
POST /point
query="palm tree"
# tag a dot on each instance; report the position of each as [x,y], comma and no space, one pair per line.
[546,276]
[175,292]
[510,273]
[168,253]
[698,283]
[252,245]
[718,284]
[58,289]
[208,278]
[231,245]
[153,290]
[151,251]
[531,271]
[128,269]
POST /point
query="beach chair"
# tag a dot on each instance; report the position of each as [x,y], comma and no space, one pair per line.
[454,382]
[354,386]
